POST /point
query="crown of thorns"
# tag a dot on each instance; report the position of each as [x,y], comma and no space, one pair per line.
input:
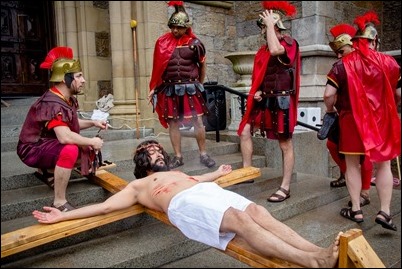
[147,146]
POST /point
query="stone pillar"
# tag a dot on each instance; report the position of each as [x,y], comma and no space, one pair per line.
[317,57]
[243,65]
[79,31]
[124,111]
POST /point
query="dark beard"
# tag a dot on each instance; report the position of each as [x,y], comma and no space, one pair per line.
[160,168]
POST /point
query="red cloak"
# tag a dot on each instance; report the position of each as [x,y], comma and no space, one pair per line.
[372,79]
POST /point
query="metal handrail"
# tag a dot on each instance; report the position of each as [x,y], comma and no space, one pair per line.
[214,86]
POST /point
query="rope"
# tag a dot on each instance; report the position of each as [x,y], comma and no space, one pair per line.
[87,116]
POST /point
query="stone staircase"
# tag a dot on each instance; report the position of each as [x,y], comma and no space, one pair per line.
[142,241]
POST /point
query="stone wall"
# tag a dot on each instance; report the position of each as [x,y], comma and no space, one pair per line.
[216,28]
[246,14]
[391,26]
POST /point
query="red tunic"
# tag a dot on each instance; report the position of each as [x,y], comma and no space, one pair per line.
[38,145]
[170,105]
[349,140]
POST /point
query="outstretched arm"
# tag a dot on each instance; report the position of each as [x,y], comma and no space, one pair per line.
[224,169]
[121,200]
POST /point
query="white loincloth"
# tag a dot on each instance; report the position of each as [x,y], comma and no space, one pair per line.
[197,212]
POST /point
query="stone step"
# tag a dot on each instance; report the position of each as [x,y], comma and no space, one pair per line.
[118,226]
[15,113]
[19,181]
[32,193]
[312,210]
[10,134]
[121,152]
[13,117]
[269,180]
[320,225]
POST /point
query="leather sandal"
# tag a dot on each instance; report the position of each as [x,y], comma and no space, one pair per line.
[340,182]
[348,213]
[64,208]
[385,222]
[364,200]
[207,160]
[176,162]
[276,197]
[46,177]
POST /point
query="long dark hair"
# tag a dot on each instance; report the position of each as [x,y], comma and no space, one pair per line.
[142,160]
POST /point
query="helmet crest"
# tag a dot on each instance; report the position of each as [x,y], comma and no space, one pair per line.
[281,8]
[284,7]
[341,29]
[343,34]
[180,16]
[366,24]
[56,54]
[60,61]
[368,17]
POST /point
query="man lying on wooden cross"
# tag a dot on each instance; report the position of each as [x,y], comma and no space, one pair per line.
[203,211]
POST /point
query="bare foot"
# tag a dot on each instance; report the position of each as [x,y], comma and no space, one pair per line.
[330,255]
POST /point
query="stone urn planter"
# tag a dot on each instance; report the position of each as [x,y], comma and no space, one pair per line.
[243,65]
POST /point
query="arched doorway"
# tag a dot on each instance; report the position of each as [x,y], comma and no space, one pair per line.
[27,34]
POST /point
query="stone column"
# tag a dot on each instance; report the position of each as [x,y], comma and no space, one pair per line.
[124,111]
[74,28]
[243,65]
[317,57]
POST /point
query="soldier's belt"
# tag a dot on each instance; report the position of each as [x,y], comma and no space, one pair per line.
[273,93]
[180,81]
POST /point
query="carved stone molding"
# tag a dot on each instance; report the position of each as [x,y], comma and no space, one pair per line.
[102,42]
[222,4]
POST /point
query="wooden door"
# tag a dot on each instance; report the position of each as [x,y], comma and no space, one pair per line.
[26,37]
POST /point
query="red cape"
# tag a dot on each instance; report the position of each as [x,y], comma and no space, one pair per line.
[372,80]
[260,67]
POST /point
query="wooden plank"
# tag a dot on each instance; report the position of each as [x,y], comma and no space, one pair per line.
[243,259]
[245,251]
[114,183]
[362,255]
[108,181]
[344,261]
[356,252]
[239,249]
[238,176]
[39,234]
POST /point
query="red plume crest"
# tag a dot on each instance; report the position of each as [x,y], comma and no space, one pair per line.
[175,3]
[283,6]
[343,28]
[56,53]
[369,16]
